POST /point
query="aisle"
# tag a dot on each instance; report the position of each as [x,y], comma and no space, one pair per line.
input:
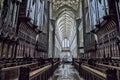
[66,72]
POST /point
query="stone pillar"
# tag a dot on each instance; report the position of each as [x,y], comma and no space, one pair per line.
[48,23]
[84,24]
[53,49]
[78,41]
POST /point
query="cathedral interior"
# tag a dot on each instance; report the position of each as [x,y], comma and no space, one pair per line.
[59,39]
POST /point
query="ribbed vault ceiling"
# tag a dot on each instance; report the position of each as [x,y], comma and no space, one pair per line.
[65,24]
[59,3]
[65,13]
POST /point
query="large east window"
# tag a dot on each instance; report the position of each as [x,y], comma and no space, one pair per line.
[65,43]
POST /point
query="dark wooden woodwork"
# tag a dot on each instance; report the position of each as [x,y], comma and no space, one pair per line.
[23,12]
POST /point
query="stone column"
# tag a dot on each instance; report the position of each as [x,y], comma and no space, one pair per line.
[48,23]
[84,25]
[53,49]
[78,41]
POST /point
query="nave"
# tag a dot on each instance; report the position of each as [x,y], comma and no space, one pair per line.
[66,72]
[60,39]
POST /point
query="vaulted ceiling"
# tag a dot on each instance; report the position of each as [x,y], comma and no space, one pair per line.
[65,24]
[59,3]
[65,14]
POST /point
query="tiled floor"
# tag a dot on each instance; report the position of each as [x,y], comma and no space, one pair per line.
[66,72]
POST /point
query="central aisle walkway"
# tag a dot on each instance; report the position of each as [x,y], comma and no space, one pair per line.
[66,72]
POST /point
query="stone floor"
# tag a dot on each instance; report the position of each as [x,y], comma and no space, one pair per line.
[66,72]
